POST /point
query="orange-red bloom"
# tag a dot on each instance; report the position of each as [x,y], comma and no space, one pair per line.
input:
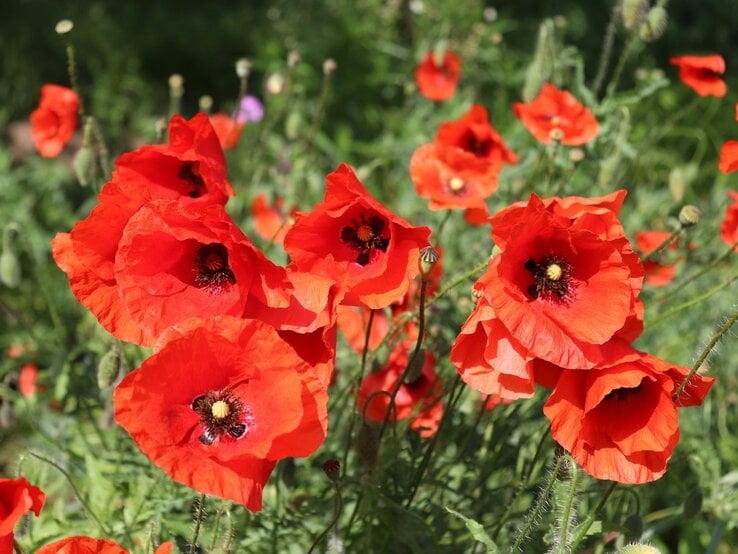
[27,379]
[557,109]
[227,129]
[728,156]
[460,168]
[54,121]
[729,225]
[221,401]
[419,398]
[269,221]
[657,274]
[541,297]
[620,421]
[17,496]
[351,240]
[82,545]
[353,320]
[702,73]
[438,82]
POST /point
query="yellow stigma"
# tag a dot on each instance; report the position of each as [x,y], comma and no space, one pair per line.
[364,232]
[456,184]
[220,409]
[553,272]
[555,121]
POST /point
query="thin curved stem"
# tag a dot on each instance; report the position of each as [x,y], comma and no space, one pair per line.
[337,509]
[593,515]
[198,522]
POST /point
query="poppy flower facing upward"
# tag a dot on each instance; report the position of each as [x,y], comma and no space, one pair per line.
[729,225]
[702,73]
[438,82]
[220,402]
[54,121]
[619,421]
[419,398]
[352,240]
[461,167]
[557,109]
[17,496]
[541,297]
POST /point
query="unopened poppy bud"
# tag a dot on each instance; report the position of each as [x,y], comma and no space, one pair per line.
[689,215]
[367,444]
[293,58]
[10,271]
[243,67]
[176,85]
[64,27]
[693,504]
[206,103]
[108,368]
[275,84]
[639,549]
[556,134]
[633,12]
[428,258]
[654,27]
[329,66]
[576,155]
[332,468]
[84,164]
[416,368]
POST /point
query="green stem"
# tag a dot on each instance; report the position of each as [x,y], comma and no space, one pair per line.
[606,48]
[692,302]
[661,246]
[593,516]
[460,279]
[617,73]
[706,352]
[573,474]
[539,507]
[76,491]
[700,273]
[337,509]
[17,547]
[198,522]
[72,70]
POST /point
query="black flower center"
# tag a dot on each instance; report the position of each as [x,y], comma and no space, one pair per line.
[222,414]
[478,146]
[551,277]
[622,394]
[211,269]
[189,172]
[364,236]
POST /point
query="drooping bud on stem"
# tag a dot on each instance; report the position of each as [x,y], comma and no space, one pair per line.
[689,215]
[332,467]
[654,27]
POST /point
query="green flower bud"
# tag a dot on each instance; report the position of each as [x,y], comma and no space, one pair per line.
[108,368]
[84,165]
[10,271]
[689,215]
[633,12]
[654,27]
[639,549]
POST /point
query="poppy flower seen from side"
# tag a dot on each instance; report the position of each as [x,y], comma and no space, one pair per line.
[702,73]
[17,496]
[352,240]
[270,222]
[204,407]
[657,273]
[729,225]
[82,545]
[54,121]
[619,420]
[557,109]
[438,81]
[728,156]
[227,129]
[460,168]
[419,398]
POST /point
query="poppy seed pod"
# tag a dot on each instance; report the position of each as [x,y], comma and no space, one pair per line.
[428,258]
[64,27]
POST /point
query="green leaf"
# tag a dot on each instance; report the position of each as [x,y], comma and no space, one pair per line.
[477,531]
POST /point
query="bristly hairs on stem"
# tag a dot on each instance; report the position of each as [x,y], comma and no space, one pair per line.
[565,499]
[199,515]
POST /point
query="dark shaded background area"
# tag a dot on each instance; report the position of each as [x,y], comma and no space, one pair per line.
[131,47]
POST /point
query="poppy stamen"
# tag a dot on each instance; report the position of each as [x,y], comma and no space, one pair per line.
[212,271]
[551,277]
[365,236]
[189,172]
[222,413]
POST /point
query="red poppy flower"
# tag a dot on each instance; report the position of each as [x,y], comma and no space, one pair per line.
[269,221]
[557,109]
[227,129]
[352,240]
[17,496]
[54,121]
[541,296]
[460,168]
[702,73]
[175,263]
[729,225]
[203,407]
[352,321]
[657,274]
[82,545]
[190,167]
[728,156]
[619,421]
[416,398]
[27,380]
[438,82]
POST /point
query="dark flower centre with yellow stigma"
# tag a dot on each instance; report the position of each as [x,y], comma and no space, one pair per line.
[364,236]
[622,394]
[551,277]
[189,172]
[480,147]
[212,272]
[222,414]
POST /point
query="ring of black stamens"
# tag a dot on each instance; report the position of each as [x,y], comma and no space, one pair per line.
[215,427]
[215,279]
[543,286]
[350,236]
[480,148]
[622,394]
[189,172]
